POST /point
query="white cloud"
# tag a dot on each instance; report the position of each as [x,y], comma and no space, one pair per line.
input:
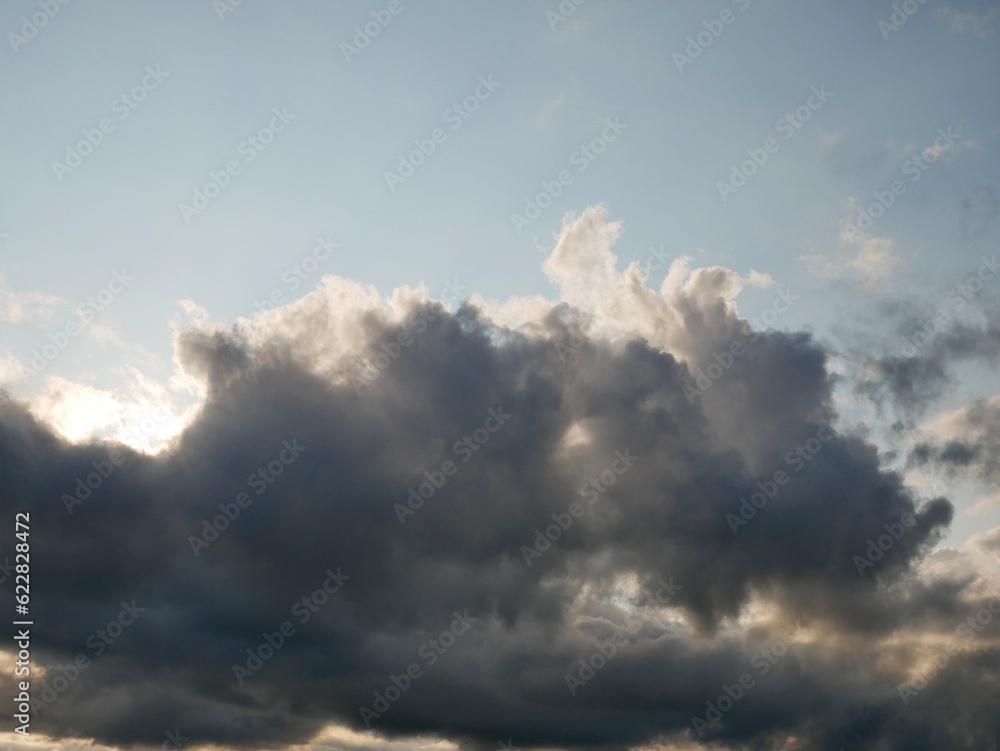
[987,543]
[28,307]
[11,369]
[957,423]
[548,109]
[142,415]
[984,507]
[873,259]
[967,22]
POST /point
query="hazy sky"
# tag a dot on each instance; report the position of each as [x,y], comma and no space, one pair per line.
[700,232]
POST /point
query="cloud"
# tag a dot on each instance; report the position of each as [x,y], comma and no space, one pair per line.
[377,394]
[11,369]
[29,308]
[916,381]
[143,415]
[858,154]
[977,214]
[874,260]
[988,543]
[548,109]
[966,440]
[967,22]
[929,339]
[984,506]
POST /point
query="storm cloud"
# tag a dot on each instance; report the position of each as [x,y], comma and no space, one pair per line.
[372,472]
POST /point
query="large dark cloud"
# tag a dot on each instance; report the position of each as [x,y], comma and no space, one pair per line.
[663,521]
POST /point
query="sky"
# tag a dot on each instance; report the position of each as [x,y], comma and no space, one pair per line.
[558,374]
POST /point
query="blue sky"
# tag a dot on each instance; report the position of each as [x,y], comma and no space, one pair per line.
[325,174]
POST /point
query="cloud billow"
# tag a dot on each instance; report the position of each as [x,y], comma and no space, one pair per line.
[292,376]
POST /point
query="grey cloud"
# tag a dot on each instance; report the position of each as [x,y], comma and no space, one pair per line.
[977,453]
[333,507]
[978,213]
[914,381]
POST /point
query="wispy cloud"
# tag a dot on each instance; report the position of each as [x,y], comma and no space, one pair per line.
[548,110]
[967,22]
